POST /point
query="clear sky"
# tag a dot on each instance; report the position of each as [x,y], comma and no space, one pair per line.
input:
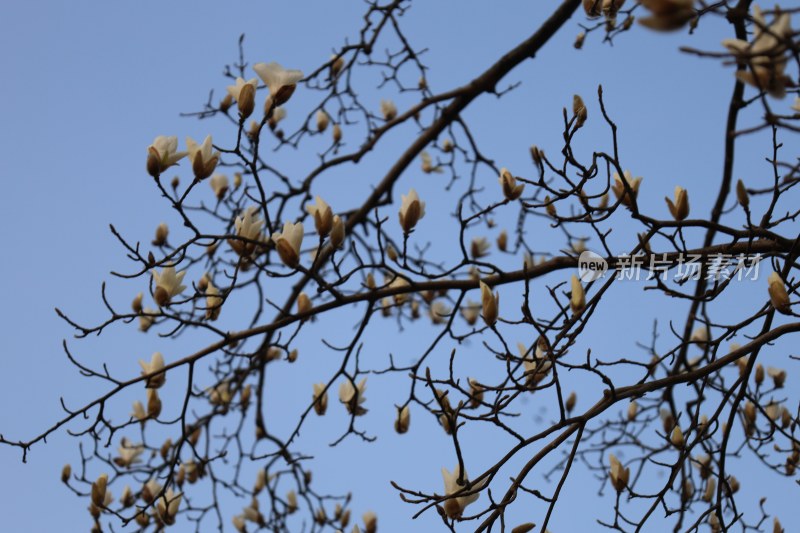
[88,85]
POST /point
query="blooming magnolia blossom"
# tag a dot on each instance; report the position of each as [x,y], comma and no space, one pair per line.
[281,82]
[508,183]
[765,54]
[168,285]
[288,243]
[427,164]
[248,226]
[162,154]
[537,365]
[323,216]
[479,247]
[128,453]
[680,207]
[203,157]
[454,507]
[168,505]
[412,209]
[352,397]
[619,188]
[156,363]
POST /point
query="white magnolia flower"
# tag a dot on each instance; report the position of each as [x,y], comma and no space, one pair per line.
[537,365]
[508,183]
[162,154]
[323,216]
[765,54]
[168,285]
[454,507]
[427,164]
[352,397]
[619,188]
[128,453]
[288,243]
[168,505]
[248,226]
[412,209]
[280,81]
[156,363]
[203,157]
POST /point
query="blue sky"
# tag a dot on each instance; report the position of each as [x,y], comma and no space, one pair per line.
[89,84]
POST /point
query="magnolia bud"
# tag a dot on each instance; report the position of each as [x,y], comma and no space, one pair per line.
[778,296]
[162,230]
[403,420]
[226,103]
[337,134]
[490,304]
[66,472]
[579,110]
[572,399]
[741,194]
[247,100]
[337,232]
[578,299]
[99,490]
[136,304]
[303,303]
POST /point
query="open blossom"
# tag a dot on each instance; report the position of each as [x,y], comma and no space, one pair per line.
[537,365]
[162,154]
[490,304]
[168,285]
[203,157]
[680,207]
[667,15]
[280,81]
[248,226]
[619,188]
[323,216]
[244,92]
[128,453]
[454,507]
[352,397]
[765,54]
[156,363]
[427,164]
[479,247]
[288,243]
[388,109]
[168,505]
[508,182]
[412,209]
[219,184]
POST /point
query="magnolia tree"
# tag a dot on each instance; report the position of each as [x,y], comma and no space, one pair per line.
[660,431]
